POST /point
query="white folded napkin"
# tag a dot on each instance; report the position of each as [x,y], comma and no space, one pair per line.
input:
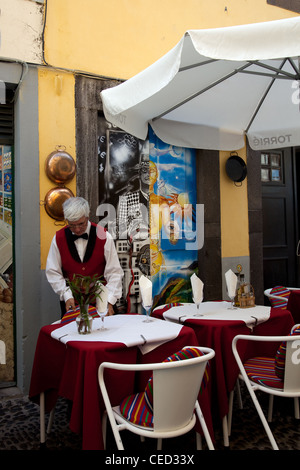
[197,287]
[101,303]
[231,282]
[146,290]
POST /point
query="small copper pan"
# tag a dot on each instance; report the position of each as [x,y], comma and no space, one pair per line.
[60,166]
[54,200]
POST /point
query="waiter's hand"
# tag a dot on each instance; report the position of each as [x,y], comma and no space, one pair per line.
[70,304]
[110,310]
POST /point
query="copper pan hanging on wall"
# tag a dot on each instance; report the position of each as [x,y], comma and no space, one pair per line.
[54,200]
[60,166]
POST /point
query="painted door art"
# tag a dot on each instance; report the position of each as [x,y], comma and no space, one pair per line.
[147,201]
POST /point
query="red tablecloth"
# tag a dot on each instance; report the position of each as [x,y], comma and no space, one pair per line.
[71,371]
[218,335]
[293,305]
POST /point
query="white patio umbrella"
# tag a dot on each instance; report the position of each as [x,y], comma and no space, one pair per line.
[215,87]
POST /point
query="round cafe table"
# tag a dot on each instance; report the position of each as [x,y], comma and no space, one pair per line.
[71,371]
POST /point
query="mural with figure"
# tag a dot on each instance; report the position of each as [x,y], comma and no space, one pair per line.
[146,201]
[172,221]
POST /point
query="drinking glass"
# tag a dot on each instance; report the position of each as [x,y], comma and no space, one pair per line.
[232,306]
[148,309]
[198,305]
[102,316]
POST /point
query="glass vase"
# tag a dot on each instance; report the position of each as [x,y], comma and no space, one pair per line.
[84,321]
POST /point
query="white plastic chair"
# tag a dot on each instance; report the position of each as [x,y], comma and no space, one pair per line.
[291,381]
[176,386]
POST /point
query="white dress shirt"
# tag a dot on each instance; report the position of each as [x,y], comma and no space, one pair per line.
[113,272]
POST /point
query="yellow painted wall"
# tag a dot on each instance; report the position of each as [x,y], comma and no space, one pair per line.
[119,38]
[56,127]
[234,212]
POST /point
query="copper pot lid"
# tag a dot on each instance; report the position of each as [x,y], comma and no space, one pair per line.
[54,200]
[60,166]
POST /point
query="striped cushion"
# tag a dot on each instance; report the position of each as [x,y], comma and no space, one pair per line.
[164,308]
[149,394]
[280,360]
[280,356]
[261,370]
[73,314]
[138,408]
[282,292]
[135,409]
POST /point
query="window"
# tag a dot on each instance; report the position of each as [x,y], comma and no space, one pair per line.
[271,168]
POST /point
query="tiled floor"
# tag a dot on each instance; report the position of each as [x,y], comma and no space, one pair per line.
[19,429]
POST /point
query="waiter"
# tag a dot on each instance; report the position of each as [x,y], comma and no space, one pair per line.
[85,248]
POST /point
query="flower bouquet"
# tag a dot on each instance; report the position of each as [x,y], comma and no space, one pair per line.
[85,290]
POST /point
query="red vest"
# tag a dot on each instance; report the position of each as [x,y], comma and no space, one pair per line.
[93,262]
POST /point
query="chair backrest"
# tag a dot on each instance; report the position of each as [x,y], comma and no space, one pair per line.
[278,296]
[292,361]
[175,391]
[292,366]
[176,386]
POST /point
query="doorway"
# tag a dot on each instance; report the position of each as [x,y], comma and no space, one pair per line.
[7,337]
[279,177]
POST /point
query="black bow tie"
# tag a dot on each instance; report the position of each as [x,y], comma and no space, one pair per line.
[84,235]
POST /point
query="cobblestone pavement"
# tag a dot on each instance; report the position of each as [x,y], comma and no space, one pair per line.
[19,429]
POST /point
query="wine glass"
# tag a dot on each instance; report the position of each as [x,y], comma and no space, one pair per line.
[148,309]
[232,297]
[102,316]
[197,302]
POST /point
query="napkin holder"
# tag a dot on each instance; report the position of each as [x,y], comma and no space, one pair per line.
[245,296]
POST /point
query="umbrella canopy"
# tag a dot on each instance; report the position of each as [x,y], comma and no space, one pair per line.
[215,87]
